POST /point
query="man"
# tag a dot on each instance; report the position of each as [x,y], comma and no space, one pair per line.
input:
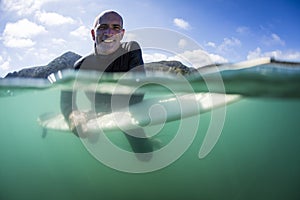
[110,55]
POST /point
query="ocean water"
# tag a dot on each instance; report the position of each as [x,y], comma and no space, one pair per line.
[256,156]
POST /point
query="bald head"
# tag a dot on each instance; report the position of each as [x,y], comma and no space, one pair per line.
[108,15]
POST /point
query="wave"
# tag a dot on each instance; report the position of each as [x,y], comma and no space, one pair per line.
[264,77]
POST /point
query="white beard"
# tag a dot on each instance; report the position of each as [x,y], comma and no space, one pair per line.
[107,48]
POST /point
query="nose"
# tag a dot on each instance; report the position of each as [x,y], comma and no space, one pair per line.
[109,31]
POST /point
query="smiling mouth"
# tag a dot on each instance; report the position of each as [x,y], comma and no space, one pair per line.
[108,40]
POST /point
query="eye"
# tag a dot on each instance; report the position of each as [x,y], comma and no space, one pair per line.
[103,27]
[117,27]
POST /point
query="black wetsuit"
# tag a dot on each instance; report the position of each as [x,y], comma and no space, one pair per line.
[128,57]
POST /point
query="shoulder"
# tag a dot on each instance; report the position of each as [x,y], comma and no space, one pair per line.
[130,46]
[79,62]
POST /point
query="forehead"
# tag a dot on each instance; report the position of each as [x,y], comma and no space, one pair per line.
[110,18]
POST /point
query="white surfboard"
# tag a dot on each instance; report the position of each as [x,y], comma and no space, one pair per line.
[146,113]
[158,110]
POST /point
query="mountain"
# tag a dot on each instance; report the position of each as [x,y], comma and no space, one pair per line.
[174,67]
[67,60]
[62,62]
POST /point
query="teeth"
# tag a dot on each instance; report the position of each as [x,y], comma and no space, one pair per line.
[108,40]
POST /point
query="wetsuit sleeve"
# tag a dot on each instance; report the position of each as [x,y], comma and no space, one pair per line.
[68,98]
[66,101]
[136,64]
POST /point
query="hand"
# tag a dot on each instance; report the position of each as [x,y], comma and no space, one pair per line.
[77,123]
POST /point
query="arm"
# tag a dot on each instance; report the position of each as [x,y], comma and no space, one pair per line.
[136,64]
[67,103]
[68,98]
[76,119]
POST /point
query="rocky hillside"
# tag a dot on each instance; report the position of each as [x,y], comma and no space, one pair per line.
[68,59]
[64,61]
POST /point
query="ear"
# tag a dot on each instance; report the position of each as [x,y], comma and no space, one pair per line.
[93,34]
[122,33]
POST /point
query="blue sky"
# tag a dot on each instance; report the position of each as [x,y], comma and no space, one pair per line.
[33,32]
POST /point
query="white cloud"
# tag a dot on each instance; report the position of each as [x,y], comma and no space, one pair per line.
[256,53]
[19,42]
[277,39]
[130,37]
[243,30]
[182,43]
[20,34]
[23,29]
[294,55]
[273,39]
[217,58]
[81,32]
[199,58]
[59,41]
[196,58]
[23,7]
[181,23]
[43,55]
[226,45]
[4,64]
[154,57]
[229,42]
[53,19]
[211,44]
[277,54]
[227,48]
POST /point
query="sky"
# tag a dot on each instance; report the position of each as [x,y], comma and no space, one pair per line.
[34,32]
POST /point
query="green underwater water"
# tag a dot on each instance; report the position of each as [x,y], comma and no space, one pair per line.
[256,157]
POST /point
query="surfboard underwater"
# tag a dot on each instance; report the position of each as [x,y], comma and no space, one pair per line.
[148,112]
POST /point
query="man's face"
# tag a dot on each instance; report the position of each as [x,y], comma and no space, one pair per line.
[108,34]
